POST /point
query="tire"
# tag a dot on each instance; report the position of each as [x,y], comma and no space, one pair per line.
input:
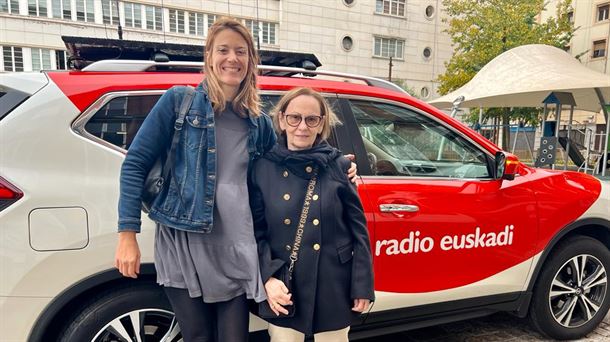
[579,301]
[121,314]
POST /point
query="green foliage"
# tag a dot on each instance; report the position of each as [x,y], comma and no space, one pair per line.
[526,115]
[483,29]
[403,84]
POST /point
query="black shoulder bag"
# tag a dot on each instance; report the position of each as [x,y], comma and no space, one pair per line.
[285,273]
[159,173]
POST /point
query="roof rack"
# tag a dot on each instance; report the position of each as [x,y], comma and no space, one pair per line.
[267,70]
[84,51]
[99,54]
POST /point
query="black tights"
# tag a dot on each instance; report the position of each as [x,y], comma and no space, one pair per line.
[207,322]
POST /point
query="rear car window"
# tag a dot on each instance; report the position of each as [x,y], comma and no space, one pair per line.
[118,121]
[10,99]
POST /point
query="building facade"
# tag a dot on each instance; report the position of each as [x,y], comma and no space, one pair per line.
[355,36]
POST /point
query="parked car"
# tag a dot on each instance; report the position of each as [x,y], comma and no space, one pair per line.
[459,229]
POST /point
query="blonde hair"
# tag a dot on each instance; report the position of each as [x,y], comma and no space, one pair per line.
[247,100]
[328,116]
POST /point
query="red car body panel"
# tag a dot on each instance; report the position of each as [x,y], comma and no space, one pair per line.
[448,207]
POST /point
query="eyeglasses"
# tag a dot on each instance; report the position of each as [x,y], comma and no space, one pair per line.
[312,121]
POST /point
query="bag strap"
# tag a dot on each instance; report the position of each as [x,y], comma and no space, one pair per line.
[296,246]
[187,100]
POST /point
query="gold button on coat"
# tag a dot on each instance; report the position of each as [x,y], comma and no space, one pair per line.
[287,221]
[315,197]
[285,174]
[308,169]
[316,222]
[316,247]
[286,197]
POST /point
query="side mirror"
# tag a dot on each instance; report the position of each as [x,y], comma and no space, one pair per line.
[506,165]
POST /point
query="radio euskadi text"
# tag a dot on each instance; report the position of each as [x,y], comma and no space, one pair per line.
[416,243]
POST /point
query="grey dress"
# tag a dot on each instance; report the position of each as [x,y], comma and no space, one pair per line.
[223,264]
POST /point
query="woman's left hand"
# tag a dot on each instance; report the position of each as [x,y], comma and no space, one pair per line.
[360,305]
[352,172]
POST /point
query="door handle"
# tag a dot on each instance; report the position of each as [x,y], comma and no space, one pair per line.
[392,208]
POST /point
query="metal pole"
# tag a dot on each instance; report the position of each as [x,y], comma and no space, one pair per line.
[390,70]
[515,141]
[557,121]
[568,142]
[588,134]
[605,110]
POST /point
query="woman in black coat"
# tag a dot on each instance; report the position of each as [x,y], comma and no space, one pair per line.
[333,276]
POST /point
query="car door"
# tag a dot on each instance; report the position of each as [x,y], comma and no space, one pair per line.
[441,221]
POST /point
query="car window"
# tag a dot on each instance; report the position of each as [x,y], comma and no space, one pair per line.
[118,121]
[402,142]
[268,102]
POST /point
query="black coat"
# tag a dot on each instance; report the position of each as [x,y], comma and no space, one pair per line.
[334,264]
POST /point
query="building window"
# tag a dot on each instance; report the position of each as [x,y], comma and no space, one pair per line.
[253,27]
[154,18]
[37,8]
[12,58]
[427,53]
[266,30]
[61,9]
[430,12]
[424,92]
[393,7]
[9,6]
[349,3]
[603,12]
[196,23]
[269,30]
[599,48]
[388,47]
[133,15]
[110,11]
[211,20]
[347,43]
[85,10]
[176,21]
[61,60]
[41,59]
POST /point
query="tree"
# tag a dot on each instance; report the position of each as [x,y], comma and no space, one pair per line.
[483,29]
[403,84]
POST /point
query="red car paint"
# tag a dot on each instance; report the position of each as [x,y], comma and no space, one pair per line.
[528,207]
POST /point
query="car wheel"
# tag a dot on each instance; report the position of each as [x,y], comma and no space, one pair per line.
[571,295]
[136,313]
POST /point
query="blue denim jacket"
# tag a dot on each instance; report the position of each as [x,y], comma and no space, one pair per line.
[187,200]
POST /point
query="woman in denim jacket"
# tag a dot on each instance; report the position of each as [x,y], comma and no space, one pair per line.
[207,277]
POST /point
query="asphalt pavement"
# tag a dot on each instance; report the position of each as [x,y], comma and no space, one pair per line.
[497,327]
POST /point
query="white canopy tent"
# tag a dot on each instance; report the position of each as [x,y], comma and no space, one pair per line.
[526,75]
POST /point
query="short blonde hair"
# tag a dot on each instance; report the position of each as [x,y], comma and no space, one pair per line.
[329,118]
[247,99]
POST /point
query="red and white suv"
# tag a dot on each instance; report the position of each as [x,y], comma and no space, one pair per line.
[458,228]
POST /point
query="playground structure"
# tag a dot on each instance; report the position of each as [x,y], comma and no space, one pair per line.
[540,75]
[586,144]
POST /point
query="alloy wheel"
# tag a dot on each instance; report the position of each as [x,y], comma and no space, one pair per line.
[578,290]
[145,325]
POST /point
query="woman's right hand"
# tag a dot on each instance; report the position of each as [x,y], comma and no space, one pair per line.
[127,256]
[277,295]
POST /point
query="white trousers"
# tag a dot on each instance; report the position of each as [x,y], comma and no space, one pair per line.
[280,334]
